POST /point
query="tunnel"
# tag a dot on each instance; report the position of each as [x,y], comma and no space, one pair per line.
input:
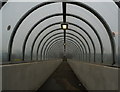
[59,45]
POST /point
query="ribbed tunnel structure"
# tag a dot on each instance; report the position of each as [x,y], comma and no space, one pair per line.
[73,31]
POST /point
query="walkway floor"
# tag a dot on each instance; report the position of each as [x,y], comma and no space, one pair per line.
[63,79]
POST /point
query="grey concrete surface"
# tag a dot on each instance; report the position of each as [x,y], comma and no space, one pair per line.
[27,76]
[95,77]
[63,79]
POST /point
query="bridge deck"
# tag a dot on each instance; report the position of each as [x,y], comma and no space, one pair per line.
[63,79]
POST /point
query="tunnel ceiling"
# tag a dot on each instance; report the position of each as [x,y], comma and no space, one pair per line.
[33,31]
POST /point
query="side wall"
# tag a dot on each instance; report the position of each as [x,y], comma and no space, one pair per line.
[27,76]
[95,77]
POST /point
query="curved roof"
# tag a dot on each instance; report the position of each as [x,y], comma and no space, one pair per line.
[32,31]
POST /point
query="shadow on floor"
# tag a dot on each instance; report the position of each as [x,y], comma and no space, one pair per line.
[63,79]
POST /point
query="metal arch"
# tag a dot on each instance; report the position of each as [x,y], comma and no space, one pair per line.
[40,34]
[80,47]
[79,4]
[60,39]
[84,39]
[56,38]
[67,33]
[68,15]
[59,14]
[72,39]
[88,37]
[79,19]
[76,37]
[46,49]
[60,23]
[54,34]
[95,31]
[104,24]
[19,23]
[26,38]
[54,44]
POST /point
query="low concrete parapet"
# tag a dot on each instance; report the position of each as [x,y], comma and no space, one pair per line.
[95,77]
[27,76]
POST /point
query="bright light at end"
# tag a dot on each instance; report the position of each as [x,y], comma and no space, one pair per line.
[64,26]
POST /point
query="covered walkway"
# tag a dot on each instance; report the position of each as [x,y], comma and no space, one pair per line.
[59,45]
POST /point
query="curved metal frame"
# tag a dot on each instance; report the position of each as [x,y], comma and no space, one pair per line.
[106,26]
[66,50]
[84,40]
[88,37]
[40,34]
[24,44]
[75,40]
[34,26]
[55,41]
[75,3]
[55,35]
[47,48]
[19,23]
[57,23]
[71,34]
[72,39]
[67,15]
[95,31]
[74,17]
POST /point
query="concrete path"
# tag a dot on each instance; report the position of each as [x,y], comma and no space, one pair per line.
[63,79]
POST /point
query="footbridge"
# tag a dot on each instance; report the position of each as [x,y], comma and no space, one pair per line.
[59,45]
